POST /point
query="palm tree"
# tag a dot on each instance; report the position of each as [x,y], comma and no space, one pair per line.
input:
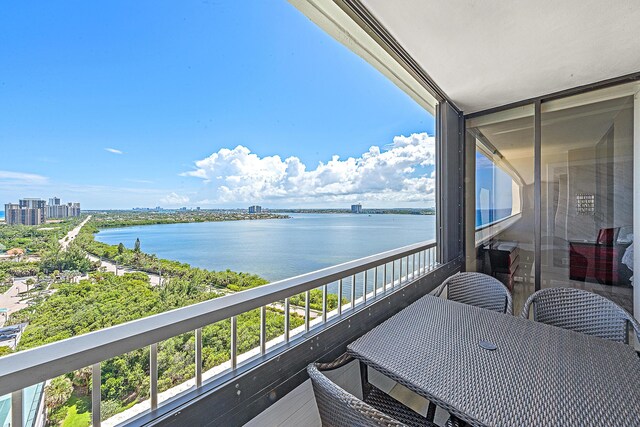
[57,392]
[29,282]
[81,379]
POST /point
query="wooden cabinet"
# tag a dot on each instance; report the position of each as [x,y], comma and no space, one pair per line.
[504,259]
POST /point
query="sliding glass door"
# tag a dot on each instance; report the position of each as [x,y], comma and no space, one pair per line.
[582,197]
[587,195]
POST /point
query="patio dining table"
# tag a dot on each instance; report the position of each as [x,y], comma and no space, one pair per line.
[492,369]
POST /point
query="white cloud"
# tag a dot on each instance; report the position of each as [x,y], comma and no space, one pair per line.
[174,199]
[22,178]
[113,150]
[395,173]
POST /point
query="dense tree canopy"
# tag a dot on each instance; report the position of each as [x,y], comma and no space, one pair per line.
[74,258]
[35,239]
[106,300]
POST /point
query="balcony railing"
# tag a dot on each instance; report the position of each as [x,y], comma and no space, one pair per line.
[372,276]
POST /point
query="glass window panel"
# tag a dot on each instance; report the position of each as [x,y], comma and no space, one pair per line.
[497,192]
[587,196]
[504,217]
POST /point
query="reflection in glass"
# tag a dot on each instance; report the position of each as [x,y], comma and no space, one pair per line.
[587,196]
[504,198]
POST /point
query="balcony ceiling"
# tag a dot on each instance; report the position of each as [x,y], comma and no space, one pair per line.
[485,54]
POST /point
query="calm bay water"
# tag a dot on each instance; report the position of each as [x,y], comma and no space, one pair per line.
[279,248]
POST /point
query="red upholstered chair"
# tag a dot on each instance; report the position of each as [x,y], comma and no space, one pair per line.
[599,261]
[607,256]
[608,236]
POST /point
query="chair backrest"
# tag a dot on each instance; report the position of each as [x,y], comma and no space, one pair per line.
[608,236]
[338,408]
[581,311]
[479,290]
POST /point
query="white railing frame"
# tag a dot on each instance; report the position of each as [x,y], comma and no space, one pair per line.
[32,366]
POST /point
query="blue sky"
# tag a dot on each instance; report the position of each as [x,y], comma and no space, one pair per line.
[194,101]
[494,191]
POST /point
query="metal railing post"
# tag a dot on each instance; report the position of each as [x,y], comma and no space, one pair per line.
[153,375]
[413,267]
[307,310]
[96,381]
[364,286]
[286,320]
[340,297]
[384,286]
[375,282]
[199,357]
[263,330]
[234,342]
[325,303]
[353,291]
[393,273]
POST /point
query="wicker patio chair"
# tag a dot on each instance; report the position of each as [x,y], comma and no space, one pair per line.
[581,311]
[479,290]
[338,408]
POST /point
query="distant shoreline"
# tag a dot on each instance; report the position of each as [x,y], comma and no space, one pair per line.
[371,211]
[117,219]
[422,211]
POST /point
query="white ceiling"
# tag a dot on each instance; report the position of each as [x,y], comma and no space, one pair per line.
[490,53]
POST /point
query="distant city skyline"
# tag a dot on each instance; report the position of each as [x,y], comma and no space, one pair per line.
[36,210]
[118,113]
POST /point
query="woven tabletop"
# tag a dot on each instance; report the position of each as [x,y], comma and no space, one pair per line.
[538,374]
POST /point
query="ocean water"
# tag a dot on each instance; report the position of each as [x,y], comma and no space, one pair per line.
[487,216]
[1,214]
[279,248]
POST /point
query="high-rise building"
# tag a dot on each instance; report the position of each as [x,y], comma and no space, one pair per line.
[356,208]
[32,203]
[12,213]
[33,211]
[73,209]
[25,212]
[255,209]
[36,211]
[57,210]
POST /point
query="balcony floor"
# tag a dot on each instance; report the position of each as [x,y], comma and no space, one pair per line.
[299,407]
